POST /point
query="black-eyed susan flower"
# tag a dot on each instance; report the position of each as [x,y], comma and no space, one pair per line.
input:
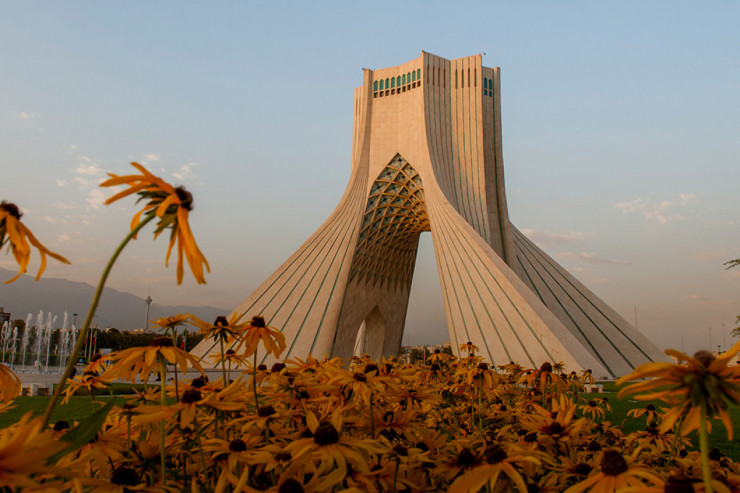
[143,361]
[172,206]
[615,473]
[20,238]
[10,387]
[704,386]
[499,466]
[258,331]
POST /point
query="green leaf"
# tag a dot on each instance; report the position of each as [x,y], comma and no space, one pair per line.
[85,431]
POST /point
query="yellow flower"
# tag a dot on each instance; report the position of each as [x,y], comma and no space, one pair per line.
[24,449]
[704,384]
[14,231]
[10,387]
[616,473]
[171,322]
[256,331]
[497,461]
[172,206]
[146,360]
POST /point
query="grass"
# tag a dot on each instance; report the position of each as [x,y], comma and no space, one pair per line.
[620,408]
[77,409]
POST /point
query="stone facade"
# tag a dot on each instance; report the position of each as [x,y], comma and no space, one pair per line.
[427,156]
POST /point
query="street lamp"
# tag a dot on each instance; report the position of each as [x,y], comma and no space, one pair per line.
[148,301]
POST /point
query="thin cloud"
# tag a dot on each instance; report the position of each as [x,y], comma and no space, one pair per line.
[652,210]
[591,258]
[91,169]
[711,256]
[549,238]
[150,158]
[185,172]
[95,198]
[687,198]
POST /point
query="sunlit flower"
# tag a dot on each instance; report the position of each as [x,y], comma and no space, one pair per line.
[258,331]
[143,361]
[24,448]
[704,385]
[10,387]
[13,231]
[88,381]
[172,206]
[616,473]
[172,322]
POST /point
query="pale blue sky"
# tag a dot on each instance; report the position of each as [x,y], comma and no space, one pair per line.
[620,123]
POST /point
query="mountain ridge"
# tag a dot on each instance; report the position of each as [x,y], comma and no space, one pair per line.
[119,309]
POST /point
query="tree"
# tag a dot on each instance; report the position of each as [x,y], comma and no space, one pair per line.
[736,331]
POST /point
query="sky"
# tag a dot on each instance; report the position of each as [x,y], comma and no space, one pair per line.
[620,138]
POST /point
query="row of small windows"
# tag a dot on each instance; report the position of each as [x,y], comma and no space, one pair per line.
[487,86]
[401,80]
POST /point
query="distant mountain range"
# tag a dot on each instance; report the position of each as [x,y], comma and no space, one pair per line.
[123,311]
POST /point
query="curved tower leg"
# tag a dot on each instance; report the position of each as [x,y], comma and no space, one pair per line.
[427,156]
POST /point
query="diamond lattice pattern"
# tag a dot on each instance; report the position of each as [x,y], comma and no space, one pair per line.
[394,218]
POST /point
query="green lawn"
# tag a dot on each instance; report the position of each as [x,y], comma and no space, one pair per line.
[78,408]
[620,408]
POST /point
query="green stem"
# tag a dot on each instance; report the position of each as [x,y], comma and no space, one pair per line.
[254,382]
[86,327]
[223,363]
[163,401]
[372,418]
[704,448]
[395,476]
[174,343]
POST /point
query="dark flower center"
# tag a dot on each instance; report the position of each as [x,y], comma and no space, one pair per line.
[186,199]
[434,367]
[277,367]
[583,469]
[482,366]
[371,367]
[95,357]
[533,488]
[465,458]
[593,446]
[124,476]
[650,407]
[230,352]
[190,396]
[592,404]
[198,382]
[262,367]
[678,484]
[388,416]
[290,486]
[495,454]
[704,357]
[326,434]
[555,428]
[162,342]
[715,454]
[283,456]
[222,321]
[546,366]
[266,411]
[237,445]
[613,463]
[11,209]
[530,437]
[259,322]
[61,425]
[401,450]
[360,377]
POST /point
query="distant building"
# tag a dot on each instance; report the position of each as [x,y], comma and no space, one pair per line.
[4,316]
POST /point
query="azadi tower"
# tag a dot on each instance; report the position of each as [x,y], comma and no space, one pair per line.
[427,156]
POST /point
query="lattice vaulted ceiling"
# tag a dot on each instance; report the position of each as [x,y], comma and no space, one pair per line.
[394,218]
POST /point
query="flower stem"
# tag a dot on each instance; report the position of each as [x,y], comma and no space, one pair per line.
[223,363]
[254,382]
[163,401]
[82,335]
[704,448]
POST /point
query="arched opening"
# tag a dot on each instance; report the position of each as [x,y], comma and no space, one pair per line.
[371,335]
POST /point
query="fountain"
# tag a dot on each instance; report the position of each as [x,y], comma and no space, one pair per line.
[37,354]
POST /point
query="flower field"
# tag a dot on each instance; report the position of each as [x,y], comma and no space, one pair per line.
[450,424]
[307,425]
